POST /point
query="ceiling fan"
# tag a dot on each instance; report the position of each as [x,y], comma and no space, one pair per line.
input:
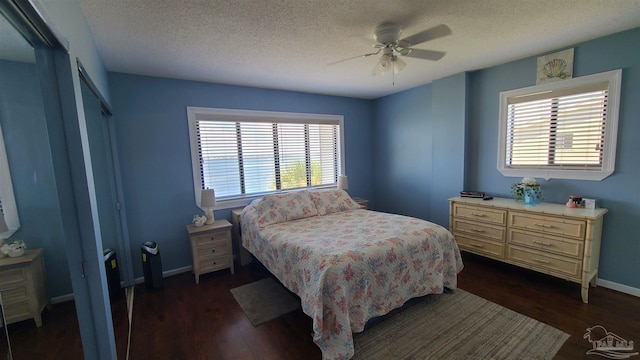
[391,46]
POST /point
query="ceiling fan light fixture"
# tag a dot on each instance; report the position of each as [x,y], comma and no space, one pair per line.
[398,64]
[385,63]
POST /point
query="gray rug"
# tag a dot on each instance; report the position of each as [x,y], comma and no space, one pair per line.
[458,326]
[264,300]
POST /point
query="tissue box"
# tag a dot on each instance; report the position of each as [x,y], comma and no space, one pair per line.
[589,203]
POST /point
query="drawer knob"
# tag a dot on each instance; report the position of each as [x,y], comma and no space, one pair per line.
[478,230]
[543,225]
[541,243]
[213,250]
[477,214]
[540,260]
[476,245]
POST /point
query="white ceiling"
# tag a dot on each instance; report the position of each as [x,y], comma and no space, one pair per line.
[288,44]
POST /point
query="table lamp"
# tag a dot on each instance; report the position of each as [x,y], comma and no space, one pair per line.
[207,203]
[343,183]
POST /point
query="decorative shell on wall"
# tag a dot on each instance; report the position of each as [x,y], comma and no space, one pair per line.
[556,68]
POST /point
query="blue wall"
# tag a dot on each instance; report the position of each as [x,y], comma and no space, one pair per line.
[402,152]
[414,137]
[153,144]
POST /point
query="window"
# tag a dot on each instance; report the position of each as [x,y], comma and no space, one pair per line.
[242,154]
[564,130]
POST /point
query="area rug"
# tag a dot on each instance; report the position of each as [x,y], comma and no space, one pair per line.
[457,326]
[264,300]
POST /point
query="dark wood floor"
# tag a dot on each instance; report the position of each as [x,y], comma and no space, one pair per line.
[188,321]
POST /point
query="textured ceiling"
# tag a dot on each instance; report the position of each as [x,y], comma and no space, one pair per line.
[288,44]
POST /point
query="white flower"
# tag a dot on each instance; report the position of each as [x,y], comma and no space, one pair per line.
[529,181]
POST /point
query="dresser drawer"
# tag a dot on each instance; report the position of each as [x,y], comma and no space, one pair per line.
[478,213]
[548,224]
[480,246]
[538,259]
[476,229]
[212,263]
[547,243]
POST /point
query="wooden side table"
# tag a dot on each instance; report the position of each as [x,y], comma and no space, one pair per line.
[245,256]
[211,247]
[361,201]
[23,286]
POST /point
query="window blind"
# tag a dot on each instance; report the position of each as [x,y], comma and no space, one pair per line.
[561,130]
[255,156]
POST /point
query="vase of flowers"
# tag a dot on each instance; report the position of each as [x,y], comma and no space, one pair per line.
[528,190]
[14,249]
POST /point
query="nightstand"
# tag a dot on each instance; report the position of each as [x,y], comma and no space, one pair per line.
[361,201]
[245,256]
[211,247]
[23,285]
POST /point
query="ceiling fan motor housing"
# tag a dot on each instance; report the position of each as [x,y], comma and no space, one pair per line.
[387,33]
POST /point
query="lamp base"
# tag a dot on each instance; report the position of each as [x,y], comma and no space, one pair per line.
[209,214]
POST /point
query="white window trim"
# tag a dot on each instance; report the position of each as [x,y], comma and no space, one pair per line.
[198,113]
[614,79]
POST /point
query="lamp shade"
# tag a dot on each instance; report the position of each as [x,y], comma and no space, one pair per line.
[207,199]
[343,183]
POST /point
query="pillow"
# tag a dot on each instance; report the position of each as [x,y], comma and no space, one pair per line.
[331,201]
[277,208]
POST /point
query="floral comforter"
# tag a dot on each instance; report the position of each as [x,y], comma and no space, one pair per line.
[350,266]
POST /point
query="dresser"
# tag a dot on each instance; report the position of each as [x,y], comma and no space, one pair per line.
[211,247]
[548,238]
[23,286]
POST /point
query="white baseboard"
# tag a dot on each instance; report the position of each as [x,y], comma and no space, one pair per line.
[63,298]
[619,287]
[140,280]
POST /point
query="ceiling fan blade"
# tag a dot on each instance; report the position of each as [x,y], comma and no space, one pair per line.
[429,34]
[355,57]
[425,54]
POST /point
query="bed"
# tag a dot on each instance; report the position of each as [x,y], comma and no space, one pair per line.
[347,264]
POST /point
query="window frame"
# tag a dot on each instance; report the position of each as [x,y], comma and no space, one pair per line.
[614,79]
[240,115]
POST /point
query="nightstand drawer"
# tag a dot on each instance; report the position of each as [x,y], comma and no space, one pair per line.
[539,259]
[475,229]
[18,311]
[547,243]
[214,248]
[548,224]
[212,263]
[216,237]
[14,295]
[493,216]
[10,277]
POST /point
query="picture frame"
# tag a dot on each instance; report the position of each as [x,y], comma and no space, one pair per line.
[554,67]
